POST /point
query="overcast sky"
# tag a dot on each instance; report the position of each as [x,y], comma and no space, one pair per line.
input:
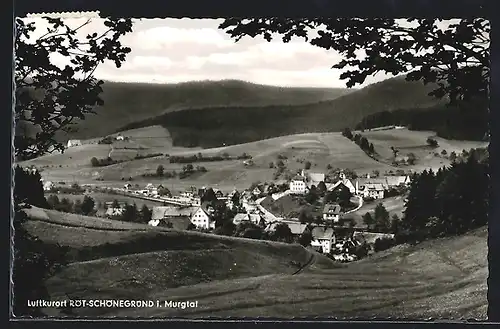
[178,50]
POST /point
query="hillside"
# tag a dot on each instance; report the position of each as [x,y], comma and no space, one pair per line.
[240,124]
[467,121]
[444,278]
[125,103]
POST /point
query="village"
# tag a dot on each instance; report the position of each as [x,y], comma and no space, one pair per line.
[332,233]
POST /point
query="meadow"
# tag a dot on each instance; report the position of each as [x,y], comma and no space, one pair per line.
[443,278]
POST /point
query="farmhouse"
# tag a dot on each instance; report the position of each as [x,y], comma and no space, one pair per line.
[165,212]
[218,193]
[394,181]
[127,186]
[375,191]
[332,212]
[119,138]
[258,190]
[312,178]
[296,228]
[298,185]
[202,219]
[323,238]
[241,218]
[48,186]
[112,212]
[74,142]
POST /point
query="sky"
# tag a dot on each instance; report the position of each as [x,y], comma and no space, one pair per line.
[179,50]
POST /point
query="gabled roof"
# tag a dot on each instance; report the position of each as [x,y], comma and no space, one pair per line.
[397,180]
[317,177]
[295,228]
[332,209]
[376,187]
[163,212]
[322,233]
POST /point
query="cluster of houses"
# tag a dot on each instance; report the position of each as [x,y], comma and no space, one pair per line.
[187,209]
[368,187]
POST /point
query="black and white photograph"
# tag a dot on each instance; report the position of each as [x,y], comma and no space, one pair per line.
[278,168]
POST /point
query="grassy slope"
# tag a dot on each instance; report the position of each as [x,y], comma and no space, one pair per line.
[320,149]
[445,278]
[112,259]
[130,102]
[233,125]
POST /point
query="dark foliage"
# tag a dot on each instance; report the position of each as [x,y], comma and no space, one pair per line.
[28,187]
[448,202]
[50,98]
[466,121]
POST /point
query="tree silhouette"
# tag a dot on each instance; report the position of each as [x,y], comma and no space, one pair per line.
[50,98]
[452,54]
[146,214]
[160,171]
[87,206]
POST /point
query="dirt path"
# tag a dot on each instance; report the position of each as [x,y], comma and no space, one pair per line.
[306,265]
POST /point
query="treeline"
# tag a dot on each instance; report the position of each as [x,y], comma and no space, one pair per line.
[204,158]
[95,162]
[465,122]
[186,171]
[448,202]
[86,206]
[131,213]
[360,140]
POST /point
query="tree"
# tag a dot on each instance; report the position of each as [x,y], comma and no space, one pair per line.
[28,187]
[394,151]
[209,196]
[453,156]
[115,204]
[363,144]
[32,256]
[283,233]
[347,133]
[87,207]
[382,223]
[411,159]
[432,142]
[394,229]
[312,195]
[271,164]
[77,207]
[444,153]
[357,139]
[53,201]
[368,220]
[322,188]
[94,162]
[130,213]
[306,238]
[146,214]
[307,165]
[50,97]
[452,54]
[160,171]
[371,148]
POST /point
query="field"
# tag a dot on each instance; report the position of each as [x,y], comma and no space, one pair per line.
[408,141]
[445,278]
[321,149]
[394,205]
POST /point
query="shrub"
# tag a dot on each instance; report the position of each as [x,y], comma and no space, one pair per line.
[432,142]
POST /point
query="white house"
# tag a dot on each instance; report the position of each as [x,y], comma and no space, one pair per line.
[375,191]
[312,178]
[48,186]
[323,238]
[112,212]
[120,138]
[202,219]
[74,142]
[298,185]
[257,191]
[127,186]
[332,212]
